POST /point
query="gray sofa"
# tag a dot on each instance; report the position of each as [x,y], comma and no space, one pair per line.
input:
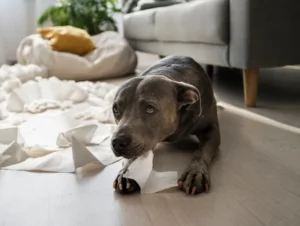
[244,34]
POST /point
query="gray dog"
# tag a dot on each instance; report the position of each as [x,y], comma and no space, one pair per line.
[170,101]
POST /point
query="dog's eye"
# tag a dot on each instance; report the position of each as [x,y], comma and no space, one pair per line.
[115,109]
[149,109]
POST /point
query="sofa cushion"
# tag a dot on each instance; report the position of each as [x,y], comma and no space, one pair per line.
[199,21]
[204,21]
[140,25]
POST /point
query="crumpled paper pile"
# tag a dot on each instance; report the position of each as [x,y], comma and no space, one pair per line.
[55,144]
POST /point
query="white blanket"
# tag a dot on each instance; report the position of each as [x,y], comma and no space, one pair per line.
[113,57]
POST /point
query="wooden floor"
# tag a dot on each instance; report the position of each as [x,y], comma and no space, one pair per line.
[255,178]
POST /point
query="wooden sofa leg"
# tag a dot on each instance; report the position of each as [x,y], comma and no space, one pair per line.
[250,86]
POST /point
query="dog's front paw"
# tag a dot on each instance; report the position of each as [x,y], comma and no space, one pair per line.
[195,179]
[124,185]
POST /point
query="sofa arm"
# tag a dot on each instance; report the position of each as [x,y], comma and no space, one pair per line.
[264,33]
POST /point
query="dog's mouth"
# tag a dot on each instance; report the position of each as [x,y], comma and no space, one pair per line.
[126,156]
[132,152]
[129,156]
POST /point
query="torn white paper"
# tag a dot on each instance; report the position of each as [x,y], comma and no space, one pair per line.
[83,155]
[150,181]
[159,181]
[8,135]
[43,131]
[140,169]
[83,133]
[12,154]
[38,96]
[104,115]
[14,157]
[13,76]
[42,105]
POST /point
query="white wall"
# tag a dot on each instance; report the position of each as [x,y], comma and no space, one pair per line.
[2,53]
[17,20]
[12,24]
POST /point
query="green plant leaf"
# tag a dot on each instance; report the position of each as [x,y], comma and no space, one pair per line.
[113,2]
[59,15]
[95,16]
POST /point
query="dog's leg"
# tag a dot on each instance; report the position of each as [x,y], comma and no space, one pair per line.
[195,179]
[125,185]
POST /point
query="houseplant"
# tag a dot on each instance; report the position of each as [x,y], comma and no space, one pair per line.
[95,16]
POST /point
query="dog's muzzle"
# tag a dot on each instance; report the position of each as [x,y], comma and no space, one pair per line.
[120,143]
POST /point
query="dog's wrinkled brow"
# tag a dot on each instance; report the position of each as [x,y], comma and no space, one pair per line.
[127,90]
[148,102]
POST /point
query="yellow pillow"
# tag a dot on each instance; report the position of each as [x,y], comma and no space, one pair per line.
[68,39]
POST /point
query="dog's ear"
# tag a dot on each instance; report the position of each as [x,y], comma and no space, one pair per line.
[188,97]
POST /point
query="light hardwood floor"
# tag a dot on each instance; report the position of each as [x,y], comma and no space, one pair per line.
[255,176]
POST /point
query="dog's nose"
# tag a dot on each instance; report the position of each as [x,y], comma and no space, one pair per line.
[120,143]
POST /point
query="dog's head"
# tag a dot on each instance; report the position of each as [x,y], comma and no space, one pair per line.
[148,110]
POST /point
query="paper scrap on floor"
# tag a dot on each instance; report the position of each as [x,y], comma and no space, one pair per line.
[59,126]
[149,180]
